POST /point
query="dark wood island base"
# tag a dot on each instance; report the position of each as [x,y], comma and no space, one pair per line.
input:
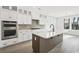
[43,45]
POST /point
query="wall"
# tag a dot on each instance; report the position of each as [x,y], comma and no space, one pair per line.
[59,25]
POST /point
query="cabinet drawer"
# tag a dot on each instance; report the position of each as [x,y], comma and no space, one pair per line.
[20,35]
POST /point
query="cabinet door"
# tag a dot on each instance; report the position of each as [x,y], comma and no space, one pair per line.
[8,15]
[42,21]
[60,38]
[29,19]
[13,15]
[30,35]
[4,13]
[35,43]
[35,14]
[24,19]
[21,19]
[20,35]
[25,35]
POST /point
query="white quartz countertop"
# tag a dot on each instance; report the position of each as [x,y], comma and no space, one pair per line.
[46,34]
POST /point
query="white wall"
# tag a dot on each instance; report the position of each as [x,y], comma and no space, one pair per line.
[59,25]
[59,11]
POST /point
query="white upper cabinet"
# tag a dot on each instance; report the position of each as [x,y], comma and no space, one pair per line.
[4,13]
[42,19]
[24,15]
[13,12]
[29,17]
[8,14]
[21,19]
[35,13]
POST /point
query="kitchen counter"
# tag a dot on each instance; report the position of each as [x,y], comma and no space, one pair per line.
[46,34]
[44,41]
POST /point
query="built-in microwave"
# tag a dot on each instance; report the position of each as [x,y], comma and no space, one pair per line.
[9,29]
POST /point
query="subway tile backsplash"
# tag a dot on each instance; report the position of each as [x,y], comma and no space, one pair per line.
[23,26]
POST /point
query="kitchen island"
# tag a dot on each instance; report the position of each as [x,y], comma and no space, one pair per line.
[43,42]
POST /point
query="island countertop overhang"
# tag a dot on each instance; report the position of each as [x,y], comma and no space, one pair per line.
[47,34]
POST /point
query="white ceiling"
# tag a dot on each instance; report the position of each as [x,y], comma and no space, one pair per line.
[61,10]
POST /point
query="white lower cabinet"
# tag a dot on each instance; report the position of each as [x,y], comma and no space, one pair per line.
[20,35]
[8,42]
[29,32]
[24,35]
[29,35]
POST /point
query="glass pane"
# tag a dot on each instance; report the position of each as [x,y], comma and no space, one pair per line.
[20,10]
[75,23]
[66,23]
[25,11]
[14,8]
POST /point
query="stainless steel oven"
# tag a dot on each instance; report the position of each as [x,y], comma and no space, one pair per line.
[9,29]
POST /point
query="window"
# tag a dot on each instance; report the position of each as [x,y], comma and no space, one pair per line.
[5,7]
[75,23]
[25,11]
[78,21]
[74,20]
[14,8]
[66,23]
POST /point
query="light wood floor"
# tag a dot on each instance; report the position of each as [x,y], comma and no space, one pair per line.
[24,47]
[70,44]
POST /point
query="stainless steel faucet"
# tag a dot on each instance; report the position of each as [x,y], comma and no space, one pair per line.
[52,28]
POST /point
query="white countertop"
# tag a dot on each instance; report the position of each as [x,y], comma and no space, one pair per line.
[46,34]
